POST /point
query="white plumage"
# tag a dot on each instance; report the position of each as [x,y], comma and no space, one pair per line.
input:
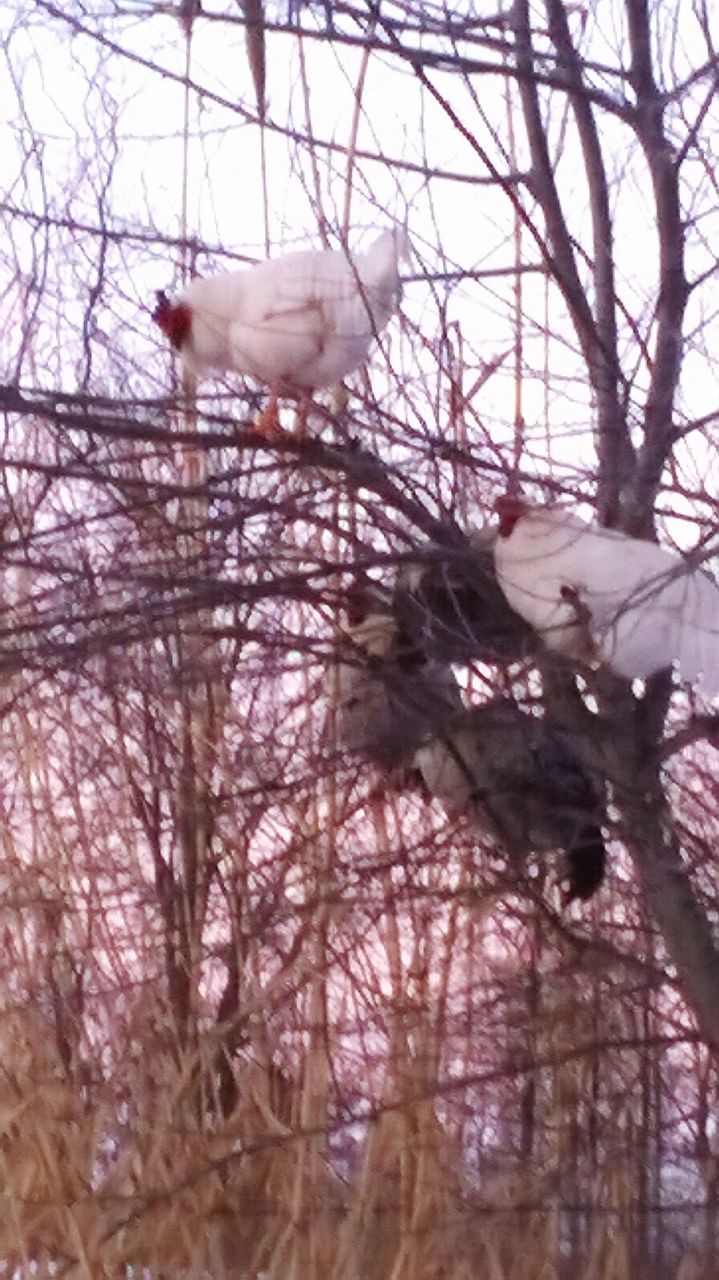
[594,593]
[297,322]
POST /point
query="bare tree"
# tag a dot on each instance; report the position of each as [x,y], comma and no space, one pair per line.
[267,1008]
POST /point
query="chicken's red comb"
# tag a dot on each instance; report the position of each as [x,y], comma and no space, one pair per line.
[510,508]
[174,318]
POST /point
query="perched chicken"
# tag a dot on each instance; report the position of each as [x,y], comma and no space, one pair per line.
[296,323]
[598,595]
[521,780]
[389,697]
[451,605]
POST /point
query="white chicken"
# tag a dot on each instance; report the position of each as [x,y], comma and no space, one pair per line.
[296,323]
[596,594]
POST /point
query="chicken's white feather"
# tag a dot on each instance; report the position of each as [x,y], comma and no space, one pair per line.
[301,321]
[638,605]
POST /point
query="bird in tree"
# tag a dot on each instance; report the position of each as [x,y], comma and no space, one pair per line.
[598,595]
[389,695]
[297,323]
[520,779]
[450,604]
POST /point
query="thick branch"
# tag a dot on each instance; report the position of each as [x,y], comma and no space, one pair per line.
[650,838]
[615,451]
[659,430]
[597,335]
[634,760]
[622,745]
[544,189]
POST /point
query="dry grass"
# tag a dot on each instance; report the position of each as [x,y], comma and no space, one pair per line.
[171,1189]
